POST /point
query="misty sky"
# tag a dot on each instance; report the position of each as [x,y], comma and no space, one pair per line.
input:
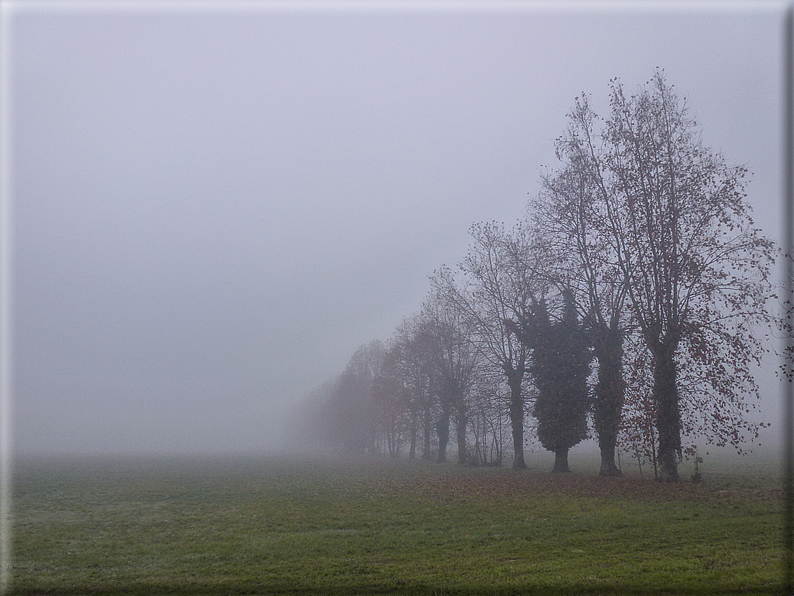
[214,207]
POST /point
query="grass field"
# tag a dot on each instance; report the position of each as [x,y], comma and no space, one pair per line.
[270,525]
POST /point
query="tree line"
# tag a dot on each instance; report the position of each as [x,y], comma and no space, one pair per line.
[634,294]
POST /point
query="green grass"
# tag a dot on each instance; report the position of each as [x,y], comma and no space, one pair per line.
[326,526]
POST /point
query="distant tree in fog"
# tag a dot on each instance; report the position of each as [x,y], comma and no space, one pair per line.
[351,414]
[409,346]
[392,405]
[446,334]
[309,427]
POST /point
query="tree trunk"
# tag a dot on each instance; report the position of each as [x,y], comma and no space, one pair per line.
[517,421]
[427,431]
[610,396]
[608,466]
[668,414]
[442,428]
[412,450]
[461,435]
[561,461]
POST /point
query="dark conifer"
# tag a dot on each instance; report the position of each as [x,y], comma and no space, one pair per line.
[560,365]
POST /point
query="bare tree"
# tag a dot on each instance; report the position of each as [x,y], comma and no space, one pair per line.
[413,342]
[455,360]
[495,288]
[411,365]
[696,268]
[308,427]
[391,402]
[351,419]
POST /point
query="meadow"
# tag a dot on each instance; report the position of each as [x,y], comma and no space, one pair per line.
[325,525]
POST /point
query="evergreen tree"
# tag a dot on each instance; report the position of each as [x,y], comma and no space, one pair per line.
[560,365]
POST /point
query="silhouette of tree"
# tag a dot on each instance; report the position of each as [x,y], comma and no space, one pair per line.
[696,270]
[560,365]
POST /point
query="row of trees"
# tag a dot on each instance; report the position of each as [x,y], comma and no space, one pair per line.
[631,294]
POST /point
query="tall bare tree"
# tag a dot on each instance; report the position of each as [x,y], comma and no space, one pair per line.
[351,416]
[409,349]
[391,403]
[494,287]
[696,268]
[455,360]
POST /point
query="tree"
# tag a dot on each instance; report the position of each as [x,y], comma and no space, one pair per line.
[411,349]
[391,404]
[560,365]
[308,424]
[495,288]
[696,268]
[351,414]
[455,361]
[487,420]
[566,218]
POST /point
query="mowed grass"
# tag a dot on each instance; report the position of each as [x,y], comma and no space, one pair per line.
[271,525]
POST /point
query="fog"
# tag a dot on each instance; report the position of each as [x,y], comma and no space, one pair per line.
[214,205]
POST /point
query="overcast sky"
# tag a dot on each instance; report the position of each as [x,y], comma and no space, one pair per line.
[214,207]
